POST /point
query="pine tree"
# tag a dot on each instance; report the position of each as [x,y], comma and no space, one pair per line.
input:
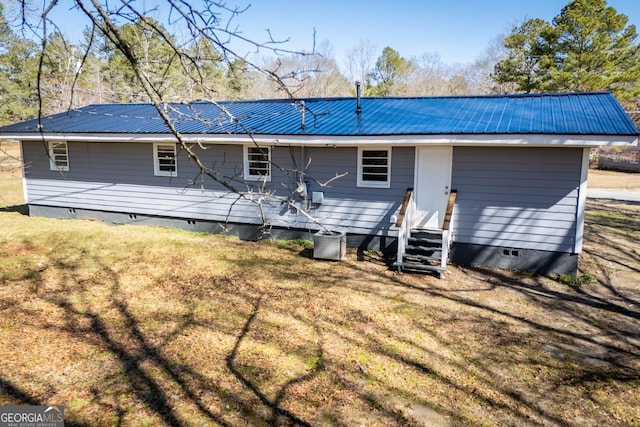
[595,49]
[390,73]
[588,46]
[529,57]
[18,95]
[156,60]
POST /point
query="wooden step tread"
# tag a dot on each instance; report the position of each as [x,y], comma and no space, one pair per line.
[427,230]
[423,248]
[424,267]
[422,240]
[422,257]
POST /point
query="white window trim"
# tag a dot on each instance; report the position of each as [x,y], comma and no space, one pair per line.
[156,160]
[52,161]
[374,184]
[247,177]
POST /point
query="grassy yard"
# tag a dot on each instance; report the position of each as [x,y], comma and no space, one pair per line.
[10,175]
[613,179]
[132,325]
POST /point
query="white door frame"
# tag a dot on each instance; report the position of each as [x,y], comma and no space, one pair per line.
[432,184]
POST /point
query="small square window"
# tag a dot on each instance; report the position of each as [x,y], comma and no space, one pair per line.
[257,163]
[374,167]
[58,156]
[165,160]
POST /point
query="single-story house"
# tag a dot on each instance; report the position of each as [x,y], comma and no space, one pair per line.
[383,170]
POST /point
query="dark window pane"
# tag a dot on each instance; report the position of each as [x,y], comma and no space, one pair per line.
[258,159]
[375,165]
[371,177]
[377,153]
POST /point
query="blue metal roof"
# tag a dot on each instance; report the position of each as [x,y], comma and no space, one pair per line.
[563,113]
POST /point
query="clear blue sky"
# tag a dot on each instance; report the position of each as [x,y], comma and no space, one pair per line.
[459,30]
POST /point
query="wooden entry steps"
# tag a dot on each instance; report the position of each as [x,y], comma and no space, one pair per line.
[423,251]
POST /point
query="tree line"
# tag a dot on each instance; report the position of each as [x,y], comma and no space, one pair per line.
[587,46]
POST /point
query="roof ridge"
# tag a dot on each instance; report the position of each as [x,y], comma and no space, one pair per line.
[350,98]
[507,95]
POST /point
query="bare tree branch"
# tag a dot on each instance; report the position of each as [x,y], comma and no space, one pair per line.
[213,23]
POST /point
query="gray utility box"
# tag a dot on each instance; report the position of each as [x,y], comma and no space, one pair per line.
[330,246]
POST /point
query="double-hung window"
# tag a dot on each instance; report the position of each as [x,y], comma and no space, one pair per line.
[257,163]
[374,167]
[58,156]
[165,159]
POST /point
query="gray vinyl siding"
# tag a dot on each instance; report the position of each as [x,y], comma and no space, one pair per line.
[119,177]
[518,197]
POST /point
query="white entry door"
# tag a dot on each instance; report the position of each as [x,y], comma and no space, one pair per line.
[432,185]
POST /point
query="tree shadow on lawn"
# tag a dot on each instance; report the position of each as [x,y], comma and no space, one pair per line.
[155,381]
[587,339]
[582,355]
[362,344]
[279,414]
[590,338]
[142,366]
[611,248]
[153,378]
[141,374]
[592,330]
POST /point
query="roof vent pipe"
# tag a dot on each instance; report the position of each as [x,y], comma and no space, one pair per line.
[302,125]
[358,103]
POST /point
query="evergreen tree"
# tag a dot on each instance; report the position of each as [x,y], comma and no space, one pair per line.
[588,46]
[202,73]
[61,64]
[18,94]
[529,57]
[595,49]
[92,85]
[155,58]
[237,77]
[390,73]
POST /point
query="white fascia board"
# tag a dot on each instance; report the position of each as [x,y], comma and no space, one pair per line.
[492,140]
[417,140]
[92,137]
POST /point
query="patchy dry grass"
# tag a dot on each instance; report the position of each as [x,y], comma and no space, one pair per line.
[10,175]
[613,179]
[132,325]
